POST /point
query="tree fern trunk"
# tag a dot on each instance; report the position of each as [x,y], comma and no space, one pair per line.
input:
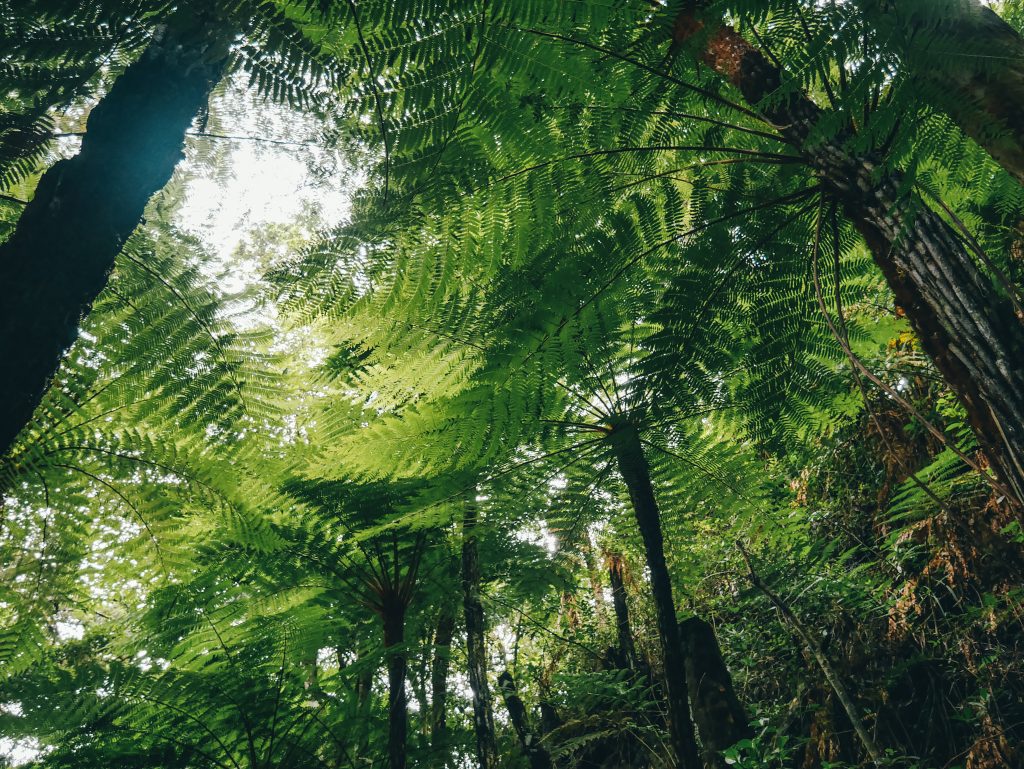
[721,718]
[964,323]
[476,648]
[637,475]
[398,711]
[439,676]
[622,624]
[59,257]
[536,754]
[970,64]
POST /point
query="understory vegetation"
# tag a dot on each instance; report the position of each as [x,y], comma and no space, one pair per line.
[654,398]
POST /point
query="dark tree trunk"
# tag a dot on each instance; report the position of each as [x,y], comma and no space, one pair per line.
[398,710]
[625,632]
[721,719]
[476,647]
[363,689]
[59,257]
[968,63]
[549,719]
[535,752]
[439,675]
[965,325]
[637,476]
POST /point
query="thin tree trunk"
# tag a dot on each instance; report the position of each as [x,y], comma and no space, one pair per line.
[625,632]
[59,256]
[439,675]
[720,717]
[363,690]
[965,325]
[814,647]
[476,647]
[398,664]
[968,63]
[636,473]
[536,754]
[596,588]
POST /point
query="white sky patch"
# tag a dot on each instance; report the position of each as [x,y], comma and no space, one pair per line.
[262,176]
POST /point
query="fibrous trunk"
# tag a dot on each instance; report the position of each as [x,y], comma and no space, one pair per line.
[59,256]
[398,712]
[637,476]
[476,648]
[721,719]
[968,63]
[965,324]
[622,625]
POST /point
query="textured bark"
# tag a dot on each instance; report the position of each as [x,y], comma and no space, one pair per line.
[622,625]
[536,754]
[721,719]
[636,473]
[968,63]
[476,647]
[58,258]
[398,664]
[965,325]
[439,675]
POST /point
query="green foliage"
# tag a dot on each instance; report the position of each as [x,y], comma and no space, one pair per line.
[567,225]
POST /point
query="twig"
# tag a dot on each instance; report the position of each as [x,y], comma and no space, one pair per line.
[818,653]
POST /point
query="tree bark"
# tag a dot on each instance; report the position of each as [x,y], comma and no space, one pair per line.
[536,754]
[62,250]
[622,625]
[964,323]
[720,717]
[636,473]
[439,675]
[968,63]
[398,706]
[476,647]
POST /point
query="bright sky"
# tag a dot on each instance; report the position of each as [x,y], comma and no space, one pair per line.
[266,182]
[253,184]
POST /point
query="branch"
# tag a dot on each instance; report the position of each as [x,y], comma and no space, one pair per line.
[818,653]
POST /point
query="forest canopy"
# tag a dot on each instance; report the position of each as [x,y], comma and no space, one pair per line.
[547,384]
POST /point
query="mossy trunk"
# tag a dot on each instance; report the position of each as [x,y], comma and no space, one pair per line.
[62,250]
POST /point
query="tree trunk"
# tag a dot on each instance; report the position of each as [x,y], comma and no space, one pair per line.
[476,647]
[439,676]
[965,325]
[637,475]
[968,63]
[363,689]
[596,588]
[59,256]
[625,632]
[536,754]
[721,719]
[398,710]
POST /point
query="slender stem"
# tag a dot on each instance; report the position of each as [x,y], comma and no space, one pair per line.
[818,653]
